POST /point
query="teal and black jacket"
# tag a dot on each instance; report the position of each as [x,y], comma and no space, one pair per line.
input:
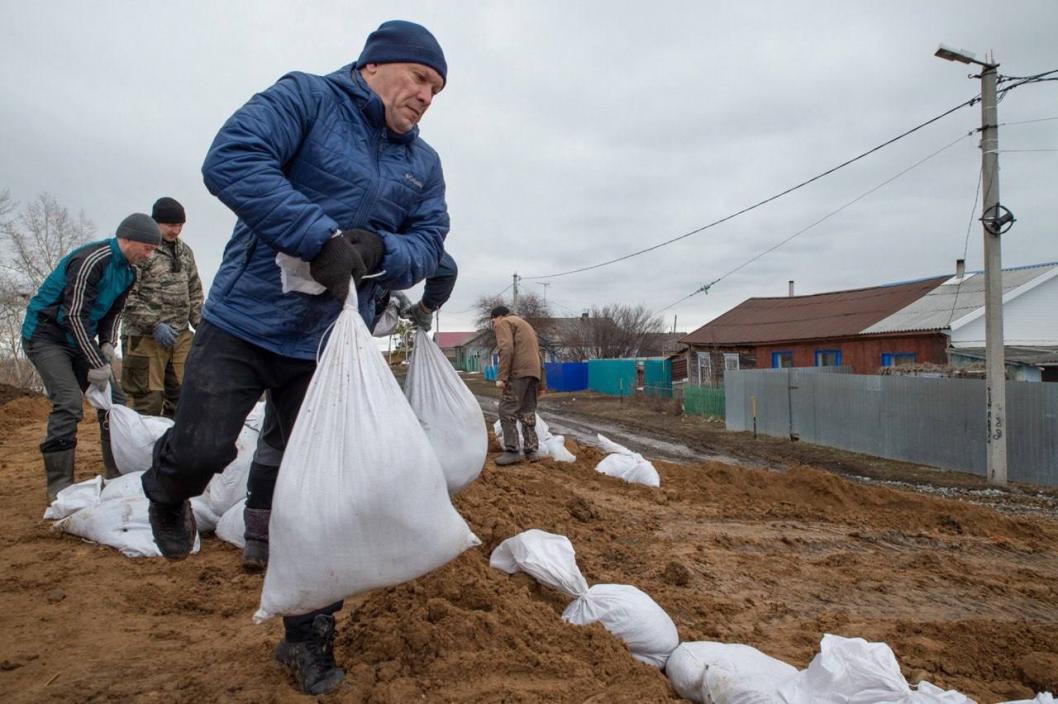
[82,300]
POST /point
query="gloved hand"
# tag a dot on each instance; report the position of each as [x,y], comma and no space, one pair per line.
[370,248]
[353,254]
[164,334]
[108,351]
[401,299]
[419,316]
[99,377]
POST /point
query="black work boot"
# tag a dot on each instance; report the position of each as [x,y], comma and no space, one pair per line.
[509,457]
[312,661]
[110,467]
[255,553]
[534,455]
[58,471]
[173,528]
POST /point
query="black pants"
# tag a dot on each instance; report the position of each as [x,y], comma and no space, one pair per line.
[223,378]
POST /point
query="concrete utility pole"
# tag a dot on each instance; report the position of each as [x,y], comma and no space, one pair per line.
[514,296]
[994,219]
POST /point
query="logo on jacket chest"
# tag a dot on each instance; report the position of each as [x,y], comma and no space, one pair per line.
[410,178]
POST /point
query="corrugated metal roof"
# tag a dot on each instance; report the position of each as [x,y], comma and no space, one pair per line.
[822,315]
[952,300]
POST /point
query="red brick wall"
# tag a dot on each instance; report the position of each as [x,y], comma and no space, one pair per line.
[864,355]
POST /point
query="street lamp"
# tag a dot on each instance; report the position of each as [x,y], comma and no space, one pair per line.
[994,221]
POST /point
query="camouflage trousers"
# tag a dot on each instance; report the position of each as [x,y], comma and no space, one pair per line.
[151,375]
[518,405]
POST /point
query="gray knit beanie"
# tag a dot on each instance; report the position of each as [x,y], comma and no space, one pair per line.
[139,227]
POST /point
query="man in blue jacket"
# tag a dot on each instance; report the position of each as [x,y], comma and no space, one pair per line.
[69,334]
[331,170]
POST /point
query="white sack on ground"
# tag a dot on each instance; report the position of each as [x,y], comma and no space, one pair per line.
[205,519]
[74,498]
[726,673]
[1041,698]
[553,446]
[132,436]
[120,523]
[853,671]
[448,413]
[625,464]
[130,484]
[361,501]
[227,488]
[231,528]
[632,616]
[547,557]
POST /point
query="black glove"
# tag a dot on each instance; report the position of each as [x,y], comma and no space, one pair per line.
[420,316]
[370,248]
[333,266]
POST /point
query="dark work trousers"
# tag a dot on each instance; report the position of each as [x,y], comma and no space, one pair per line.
[223,379]
[518,405]
[64,372]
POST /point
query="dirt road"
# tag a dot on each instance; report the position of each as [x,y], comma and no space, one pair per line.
[966,596]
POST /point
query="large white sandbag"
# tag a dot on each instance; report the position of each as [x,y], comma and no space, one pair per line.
[227,488]
[130,484]
[231,528]
[1041,698]
[547,557]
[205,519]
[361,501]
[74,498]
[553,446]
[726,673]
[625,464]
[132,436]
[448,413]
[853,671]
[120,523]
[632,616]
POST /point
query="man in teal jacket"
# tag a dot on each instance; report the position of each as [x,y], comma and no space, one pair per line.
[330,170]
[69,334]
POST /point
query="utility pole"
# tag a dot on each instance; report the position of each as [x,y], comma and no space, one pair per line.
[995,220]
[514,296]
[545,284]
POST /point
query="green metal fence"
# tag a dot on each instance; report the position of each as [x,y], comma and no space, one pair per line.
[703,401]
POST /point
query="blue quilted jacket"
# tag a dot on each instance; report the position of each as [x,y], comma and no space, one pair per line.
[306,157]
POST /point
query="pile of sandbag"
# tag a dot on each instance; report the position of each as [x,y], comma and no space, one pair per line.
[553,446]
[623,610]
[625,464]
[448,413]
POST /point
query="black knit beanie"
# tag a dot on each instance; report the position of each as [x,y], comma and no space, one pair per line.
[168,210]
[398,41]
[138,227]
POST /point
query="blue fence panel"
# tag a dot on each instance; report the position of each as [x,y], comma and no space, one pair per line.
[616,377]
[657,377]
[566,376]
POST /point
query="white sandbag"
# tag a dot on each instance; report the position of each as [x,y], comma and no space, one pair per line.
[120,523]
[553,446]
[231,528]
[447,412]
[726,673]
[632,616]
[130,484]
[388,321]
[853,671]
[227,488]
[74,498]
[294,275]
[132,436]
[1041,698]
[547,557]
[205,520]
[625,464]
[361,501]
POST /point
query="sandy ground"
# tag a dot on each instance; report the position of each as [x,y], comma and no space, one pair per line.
[966,596]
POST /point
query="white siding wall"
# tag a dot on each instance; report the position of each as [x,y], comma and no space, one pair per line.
[1030,319]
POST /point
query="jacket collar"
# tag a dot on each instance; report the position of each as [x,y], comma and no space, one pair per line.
[349,80]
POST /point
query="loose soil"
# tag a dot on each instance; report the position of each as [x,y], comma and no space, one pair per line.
[966,596]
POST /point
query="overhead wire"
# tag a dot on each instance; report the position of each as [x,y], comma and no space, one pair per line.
[966,242]
[758,204]
[706,287]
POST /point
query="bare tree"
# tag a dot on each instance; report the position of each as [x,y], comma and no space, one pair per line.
[531,308]
[609,332]
[34,242]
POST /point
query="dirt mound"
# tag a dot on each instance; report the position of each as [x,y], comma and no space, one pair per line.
[966,597]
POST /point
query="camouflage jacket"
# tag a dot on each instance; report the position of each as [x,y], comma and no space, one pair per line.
[167,290]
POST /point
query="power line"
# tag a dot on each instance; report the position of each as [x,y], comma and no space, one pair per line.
[1027,122]
[705,288]
[724,219]
[966,242]
[1004,151]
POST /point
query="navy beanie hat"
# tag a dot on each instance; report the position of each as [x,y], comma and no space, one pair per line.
[398,41]
[169,211]
[139,227]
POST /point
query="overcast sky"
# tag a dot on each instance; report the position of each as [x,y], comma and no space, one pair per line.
[576,132]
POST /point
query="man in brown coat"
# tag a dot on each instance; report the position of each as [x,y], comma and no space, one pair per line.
[520,378]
